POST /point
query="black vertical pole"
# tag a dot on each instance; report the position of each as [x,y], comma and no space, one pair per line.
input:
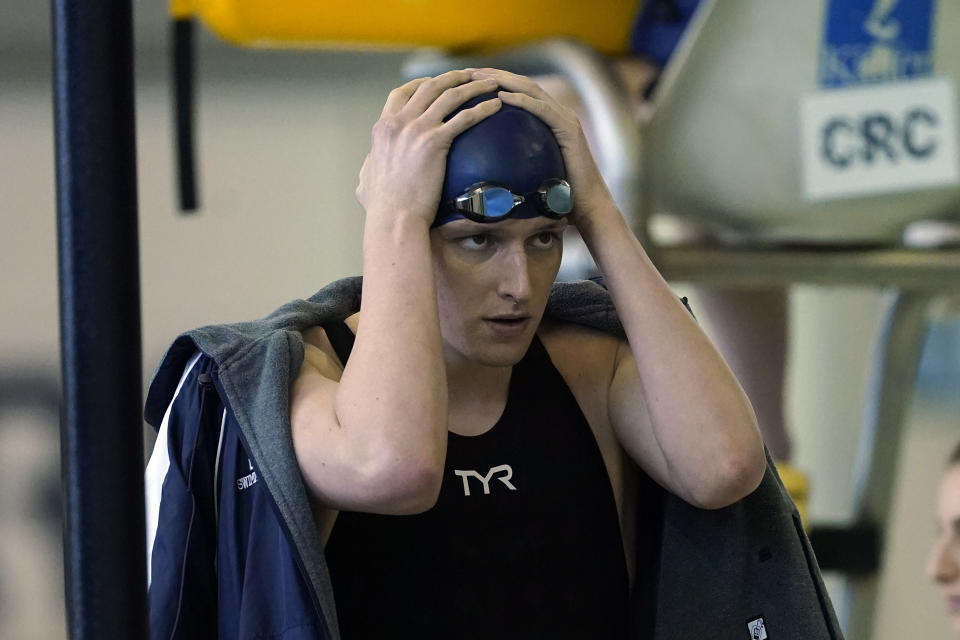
[101,433]
[183,110]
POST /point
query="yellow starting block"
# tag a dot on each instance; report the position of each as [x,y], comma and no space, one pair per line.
[386,24]
[797,485]
[450,25]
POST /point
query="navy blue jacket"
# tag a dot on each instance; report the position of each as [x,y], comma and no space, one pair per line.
[236,554]
[221,562]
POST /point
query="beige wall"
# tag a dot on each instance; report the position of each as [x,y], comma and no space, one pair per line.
[281,138]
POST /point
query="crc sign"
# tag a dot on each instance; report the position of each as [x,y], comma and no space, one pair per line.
[875,136]
[880,139]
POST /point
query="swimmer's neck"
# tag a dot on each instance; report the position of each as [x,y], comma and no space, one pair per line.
[472,381]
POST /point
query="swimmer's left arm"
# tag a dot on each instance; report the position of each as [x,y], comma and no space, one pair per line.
[675,405]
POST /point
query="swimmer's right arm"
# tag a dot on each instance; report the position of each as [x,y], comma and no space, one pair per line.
[375,439]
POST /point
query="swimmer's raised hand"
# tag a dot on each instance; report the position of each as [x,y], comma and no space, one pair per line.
[589,189]
[403,173]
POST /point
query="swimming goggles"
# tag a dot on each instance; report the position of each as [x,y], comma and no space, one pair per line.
[489,202]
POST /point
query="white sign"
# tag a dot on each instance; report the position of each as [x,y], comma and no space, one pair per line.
[898,136]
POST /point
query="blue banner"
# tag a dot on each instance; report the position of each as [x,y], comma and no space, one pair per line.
[876,41]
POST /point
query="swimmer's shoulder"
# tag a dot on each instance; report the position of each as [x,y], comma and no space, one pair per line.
[585,357]
[319,355]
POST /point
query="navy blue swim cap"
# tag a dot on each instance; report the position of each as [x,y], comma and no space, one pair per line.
[512,148]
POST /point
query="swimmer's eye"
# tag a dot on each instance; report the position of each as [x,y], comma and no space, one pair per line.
[474,242]
[545,240]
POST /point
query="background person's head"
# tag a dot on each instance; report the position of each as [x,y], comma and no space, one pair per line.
[944,564]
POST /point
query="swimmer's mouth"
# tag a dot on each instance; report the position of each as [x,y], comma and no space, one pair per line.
[508,319]
[508,326]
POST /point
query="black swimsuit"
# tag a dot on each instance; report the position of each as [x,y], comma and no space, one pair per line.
[524,540]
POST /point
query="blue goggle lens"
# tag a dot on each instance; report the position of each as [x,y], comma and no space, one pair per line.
[558,198]
[497,202]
